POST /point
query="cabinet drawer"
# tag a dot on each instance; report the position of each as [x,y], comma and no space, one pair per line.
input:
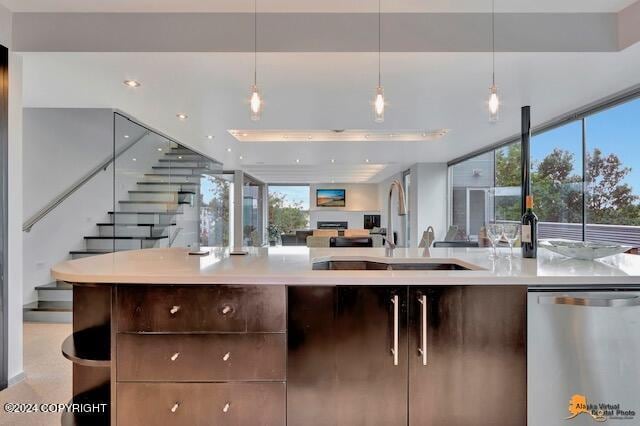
[201,357]
[211,308]
[195,404]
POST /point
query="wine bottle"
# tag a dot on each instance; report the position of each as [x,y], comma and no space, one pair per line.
[529,231]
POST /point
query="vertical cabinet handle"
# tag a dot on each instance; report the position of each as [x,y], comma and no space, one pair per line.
[394,349]
[422,350]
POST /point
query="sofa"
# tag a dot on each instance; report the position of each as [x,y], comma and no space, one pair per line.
[350,238]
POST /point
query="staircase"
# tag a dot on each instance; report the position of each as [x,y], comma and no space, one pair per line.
[148,218]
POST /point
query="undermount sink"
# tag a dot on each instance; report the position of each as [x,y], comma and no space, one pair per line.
[383,264]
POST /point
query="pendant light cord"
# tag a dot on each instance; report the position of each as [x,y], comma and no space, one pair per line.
[493,42]
[379,44]
[255,42]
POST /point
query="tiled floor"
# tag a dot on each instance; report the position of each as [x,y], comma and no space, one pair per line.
[48,375]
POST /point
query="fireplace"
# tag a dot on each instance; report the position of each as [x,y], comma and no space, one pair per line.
[333,225]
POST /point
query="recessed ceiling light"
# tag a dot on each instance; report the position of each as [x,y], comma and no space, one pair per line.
[240,157]
[366,160]
[126,136]
[179,157]
[159,149]
[210,137]
[424,135]
[333,160]
[228,149]
[390,135]
[131,83]
[297,160]
[245,135]
[182,116]
[285,137]
[133,159]
[366,136]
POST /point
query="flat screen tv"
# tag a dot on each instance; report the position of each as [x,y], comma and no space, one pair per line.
[330,197]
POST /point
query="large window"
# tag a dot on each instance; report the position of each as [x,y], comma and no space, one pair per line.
[613,174]
[288,208]
[556,181]
[215,218]
[585,180]
[485,188]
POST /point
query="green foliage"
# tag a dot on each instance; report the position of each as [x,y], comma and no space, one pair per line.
[286,216]
[557,188]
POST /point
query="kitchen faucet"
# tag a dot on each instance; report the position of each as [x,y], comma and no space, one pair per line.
[402,211]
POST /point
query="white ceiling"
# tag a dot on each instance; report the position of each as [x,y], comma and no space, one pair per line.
[329,91]
[330,6]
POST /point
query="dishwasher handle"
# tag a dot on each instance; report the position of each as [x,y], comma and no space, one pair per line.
[617,301]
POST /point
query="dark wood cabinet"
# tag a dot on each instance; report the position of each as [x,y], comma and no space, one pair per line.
[201,404]
[467,355]
[340,365]
[201,357]
[226,309]
[461,356]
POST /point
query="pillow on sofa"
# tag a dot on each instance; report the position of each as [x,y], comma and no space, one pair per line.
[325,232]
[356,232]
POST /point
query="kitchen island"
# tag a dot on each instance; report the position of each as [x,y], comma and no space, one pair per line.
[163,337]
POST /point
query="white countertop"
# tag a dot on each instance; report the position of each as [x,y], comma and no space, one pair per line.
[293,266]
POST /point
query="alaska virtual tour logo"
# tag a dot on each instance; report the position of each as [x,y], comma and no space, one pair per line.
[599,412]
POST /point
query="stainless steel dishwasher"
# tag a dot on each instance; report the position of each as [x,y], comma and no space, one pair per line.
[583,357]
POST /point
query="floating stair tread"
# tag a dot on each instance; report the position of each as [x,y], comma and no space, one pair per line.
[127,238]
[162,192]
[88,347]
[169,174]
[153,202]
[168,183]
[56,285]
[169,213]
[137,224]
[183,160]
[49,306]
[179,168]
[93,251]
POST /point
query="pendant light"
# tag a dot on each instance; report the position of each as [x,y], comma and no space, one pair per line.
[494,99]
[255,102]
[378,101]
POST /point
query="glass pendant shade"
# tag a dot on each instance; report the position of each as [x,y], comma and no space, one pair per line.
[494,103]
[255,103]
[378,105]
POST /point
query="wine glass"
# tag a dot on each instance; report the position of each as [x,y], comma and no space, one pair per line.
[494,233]
[511,232]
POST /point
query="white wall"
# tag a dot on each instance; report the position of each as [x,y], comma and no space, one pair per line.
[360,199]
[60,146]
[426,201]
[14,278]
[397,221]
[430,198]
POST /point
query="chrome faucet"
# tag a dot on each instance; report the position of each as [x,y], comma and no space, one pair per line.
[402,211]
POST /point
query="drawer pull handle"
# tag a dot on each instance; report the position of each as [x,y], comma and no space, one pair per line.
[226,310]
[226,407]
[174,309]
[226,356]
[175,407]
[175,356]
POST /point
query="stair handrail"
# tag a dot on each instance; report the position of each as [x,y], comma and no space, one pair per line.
[49,207]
